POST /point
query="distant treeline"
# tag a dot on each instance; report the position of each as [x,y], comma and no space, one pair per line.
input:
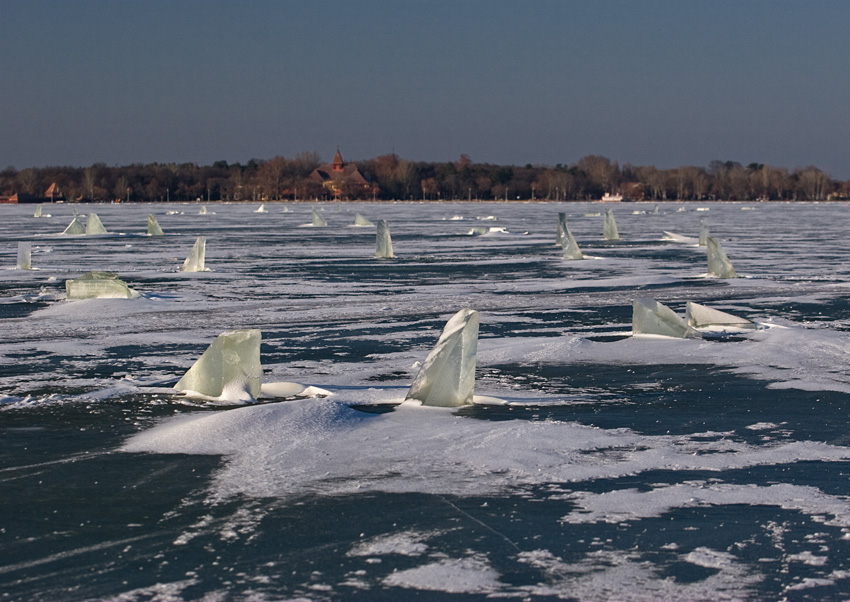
[392,177]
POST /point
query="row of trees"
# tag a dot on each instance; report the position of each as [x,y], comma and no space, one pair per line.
[280,178]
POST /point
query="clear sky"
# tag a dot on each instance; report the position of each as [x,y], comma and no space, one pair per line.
[665,83]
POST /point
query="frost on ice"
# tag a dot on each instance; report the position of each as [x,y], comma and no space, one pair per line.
[651,317]
[383,242]
[94,225]
[701,316]
[447,378]
[609,229]
[98,285]
[195,261]
[228,370]
[718,264]
[153,226]
[24,256]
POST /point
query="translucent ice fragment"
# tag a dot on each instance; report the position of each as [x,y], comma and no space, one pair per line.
[261,209]
[359,220]
[94,225]
[609,230]
[98,285]
[318,220]
[37,211]
[701,316]
[447,378]
[203,210]
[703,233]
[153,226]
[383,242]
[651,317]
[229,370]
[568,242]
[718,264]
[195,261]
[74,228]
[654,210]
[562,228]
[24,256]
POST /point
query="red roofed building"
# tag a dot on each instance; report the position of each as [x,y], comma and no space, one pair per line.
[342,179]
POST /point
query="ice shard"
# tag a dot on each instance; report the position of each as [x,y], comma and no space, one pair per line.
[703,233]
[74,228]
[569,244]
[383,242]
[609,230]
[37,211]
[94,225]
[447,378]
[98,285]
[195,261]
[701,316]
[153,226]
[229,370]
[261,209]
[651,317]
[562,228]
[359,220]
[318,220]
[718,264]
[24,256]
[203,210]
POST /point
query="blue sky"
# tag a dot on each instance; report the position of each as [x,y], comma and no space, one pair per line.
[644,82]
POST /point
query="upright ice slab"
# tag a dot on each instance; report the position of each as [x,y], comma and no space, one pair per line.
[568,242]
[359,220]
[37,211]
[718,264]
[703,233]
[153,226]
[447,378]
[195,261]
[261,209]
[98,285]
[609,229]
[562,228]
[383,242]
[651,317]
[701,316]
[203,210]
[94,225]
[74,228]
[229,370]
[24,256]
[318,220]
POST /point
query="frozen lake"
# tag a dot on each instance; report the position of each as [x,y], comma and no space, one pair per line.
[623,468]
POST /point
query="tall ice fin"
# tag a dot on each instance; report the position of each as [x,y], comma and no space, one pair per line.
[24,256]
[75,227]
[568,242]
[153,226]
[701,316]
[261,209]
[718,264]
[318,220]
[562,228]
[447,378]
[94,225]
[359,220]
[703,233]
[383,242]
[195,261]
[651,317]
[609,230]
[37,211]
[229,370]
